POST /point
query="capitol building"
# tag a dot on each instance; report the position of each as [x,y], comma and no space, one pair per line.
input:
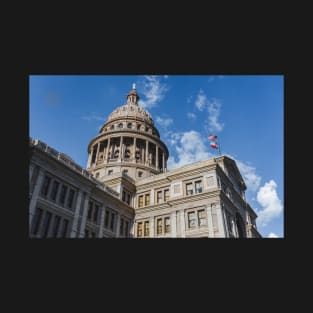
[126,190]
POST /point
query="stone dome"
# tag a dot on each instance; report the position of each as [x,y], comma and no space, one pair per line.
[131,111]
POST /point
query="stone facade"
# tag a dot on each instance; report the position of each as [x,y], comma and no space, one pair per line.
[127,191]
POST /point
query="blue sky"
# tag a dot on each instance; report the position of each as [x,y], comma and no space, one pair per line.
[244,111]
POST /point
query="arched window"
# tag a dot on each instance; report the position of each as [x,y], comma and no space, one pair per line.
[138,126]
[129,125]
[112,127]
[120,125]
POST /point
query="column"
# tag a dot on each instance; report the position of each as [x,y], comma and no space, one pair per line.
[100,234]
[121,149]
[84,217]
[220,220]
[97,154]
[210,221]
[152,226]
[36,190]
[118,221]
[31,170]
[157,158]
[132,228]
[152,200]
[225,224]
[74,231]
[107,152]
[147,150]
[182,223]
[89,159]
[173,224]
[134,151]
[163,162]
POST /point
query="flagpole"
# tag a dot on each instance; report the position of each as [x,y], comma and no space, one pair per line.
[219,146]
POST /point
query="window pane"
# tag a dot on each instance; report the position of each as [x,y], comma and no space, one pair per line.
[126,229]
[167,225]
[166,194]
[121,226]
[202,217]
[90,205]
[55,188]
[56,226]
[140,201]
[64,230]
[139,229]
[112,221]
[191,220]
[95,214]
[147,199]
[159,196]
[159,226]
[45,186]
[198,186]
[147,228]
[107,216]
[70,199]
[189,190]
[46,224]
[63,194]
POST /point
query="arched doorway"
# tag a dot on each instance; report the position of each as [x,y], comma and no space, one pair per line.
[240,226]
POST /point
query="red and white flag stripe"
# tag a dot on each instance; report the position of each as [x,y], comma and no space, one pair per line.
[212,137]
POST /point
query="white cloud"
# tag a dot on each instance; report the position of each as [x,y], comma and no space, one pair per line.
[271,204]
[272,235]
[153,91]
[213,107]
[252,179]
[93,117]
[165,76]
[190,148]
[191,116]
[201,100]
[164,121]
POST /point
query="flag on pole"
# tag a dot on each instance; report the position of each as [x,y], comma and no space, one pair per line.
[214,145]
[212,137]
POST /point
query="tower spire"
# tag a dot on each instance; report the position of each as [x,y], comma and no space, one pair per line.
[132,97]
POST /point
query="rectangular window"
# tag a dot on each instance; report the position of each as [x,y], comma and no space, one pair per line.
[124,196]
[189,190]
[191,219]
[70,198]
[128,199]
[139,229]
[177,188]
[121,227]
[159,196]
[140,201]
[65,226]
[63,194]
[166,194]
[55,189]
[210,180]
[202,217]
[159,226]
[36,221]
[110,172]
[46,224]
[167,225]
[106,220]
[198,186]
[89,214]
[112,221]
[147,199]
[126,228]
[45,186]
[147,230]
[95,214]
[56,226]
